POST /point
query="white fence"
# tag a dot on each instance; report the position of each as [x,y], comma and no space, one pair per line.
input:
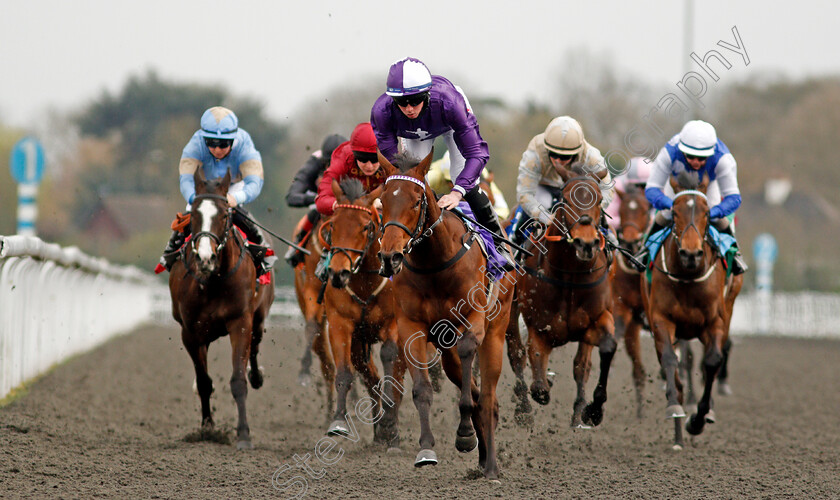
[56,302]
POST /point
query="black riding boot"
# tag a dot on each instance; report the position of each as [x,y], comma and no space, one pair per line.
[739,266]
[644,256]
[486,216]
[257,246]
[170,253]
[294,256]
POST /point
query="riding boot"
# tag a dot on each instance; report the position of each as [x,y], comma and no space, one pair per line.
[518,236]
[170,253]
[293,255]
[644,255]
[739,266]
[486,216]
[257,246]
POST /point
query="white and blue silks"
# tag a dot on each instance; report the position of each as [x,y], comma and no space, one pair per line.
[723,241]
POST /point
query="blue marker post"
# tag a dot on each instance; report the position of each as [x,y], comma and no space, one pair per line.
[765,251]
[27,165]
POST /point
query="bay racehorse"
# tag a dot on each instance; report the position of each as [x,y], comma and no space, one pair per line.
[565,295]
[360,312]
[689,296]
[628,309]
[308,288]
[215,293]
[444,297]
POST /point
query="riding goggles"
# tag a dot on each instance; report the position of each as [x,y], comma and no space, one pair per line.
[410,100]
[364,157]
[218,143]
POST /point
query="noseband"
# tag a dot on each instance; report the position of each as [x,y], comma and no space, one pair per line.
[703,235]
[220,242]
[415,236]
[356,263]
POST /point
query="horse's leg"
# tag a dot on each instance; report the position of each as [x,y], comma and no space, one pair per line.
[415,351]
[320,344]
[687,370]
[582,365]
[310,330]
[723,375]
[594,412]
[663,335]
[465,440]
[538,352]
[712,360]
[393,366]
[240,330]
[632,343]
[362,357]
[255,375]
[516,357]
[341,339]
[436,370]
[204,384]
[490,364]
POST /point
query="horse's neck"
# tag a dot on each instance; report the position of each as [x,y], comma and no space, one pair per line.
[231,252]
[444,240]
[368,277]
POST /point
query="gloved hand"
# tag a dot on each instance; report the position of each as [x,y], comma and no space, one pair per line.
[716,212]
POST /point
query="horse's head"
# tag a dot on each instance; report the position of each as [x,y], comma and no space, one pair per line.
[406,203]
[634,213]
[691,221]
[579,213]
[354,228]
[210,221]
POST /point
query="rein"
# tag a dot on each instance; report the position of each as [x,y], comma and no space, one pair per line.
[673,237]
[357,262]
[220,242]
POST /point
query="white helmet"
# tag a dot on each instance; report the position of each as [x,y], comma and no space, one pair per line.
[698,138]
[639,170]
[564,136]
[408,76]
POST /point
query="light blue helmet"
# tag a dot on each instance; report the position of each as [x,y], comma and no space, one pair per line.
[219,123]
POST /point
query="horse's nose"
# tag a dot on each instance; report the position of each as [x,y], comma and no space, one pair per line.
[691,258]
[339,279]
[391,262]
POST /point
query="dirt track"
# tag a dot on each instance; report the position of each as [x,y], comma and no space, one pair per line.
[111,424]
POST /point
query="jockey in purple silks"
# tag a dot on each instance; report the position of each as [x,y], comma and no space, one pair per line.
[416,108]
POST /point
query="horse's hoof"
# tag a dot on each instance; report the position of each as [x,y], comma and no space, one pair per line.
[304,379]
[338,428]
[677,447]
[694,426]
[426,457]
[541,396]
[256,377]
[581,426]
[495,482]
[466,444]
[244,445]
[593,415]
[674,411]
[724,389]
[393,450]
[710,417]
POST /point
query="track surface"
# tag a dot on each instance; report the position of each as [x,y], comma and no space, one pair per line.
[111,423]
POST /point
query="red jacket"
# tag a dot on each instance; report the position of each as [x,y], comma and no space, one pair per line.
[343,164]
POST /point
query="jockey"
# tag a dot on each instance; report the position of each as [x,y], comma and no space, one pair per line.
[217,147]
[539,184]
[303,190]
[355,158]
[417,107]
[440,180]
[637,175]
[697,148]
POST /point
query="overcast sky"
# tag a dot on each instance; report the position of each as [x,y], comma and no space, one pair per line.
[62,54]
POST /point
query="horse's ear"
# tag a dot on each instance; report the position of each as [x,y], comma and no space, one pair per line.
[564,173]
[619,193]
[336,189]
[370,197]
[423,167]
[704,184]
[199,180]
[386,165]
[225,182]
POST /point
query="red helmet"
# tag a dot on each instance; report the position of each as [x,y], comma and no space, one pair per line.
[363,139]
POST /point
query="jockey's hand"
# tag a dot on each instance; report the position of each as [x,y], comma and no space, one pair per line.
[377,205]
[231,200]
[450,200]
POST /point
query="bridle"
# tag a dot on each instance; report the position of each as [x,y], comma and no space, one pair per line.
[370,231]
[415,236]
[704,235]
[558,208]
[220,242]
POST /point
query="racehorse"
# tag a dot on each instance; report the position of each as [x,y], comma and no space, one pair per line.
[565,296]
[689,296]
[307,289]
[441,280]
[628,309]
[360,311]
[215,293]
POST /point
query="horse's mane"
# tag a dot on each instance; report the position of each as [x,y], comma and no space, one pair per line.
[688,179]
[404,162]
[352,188]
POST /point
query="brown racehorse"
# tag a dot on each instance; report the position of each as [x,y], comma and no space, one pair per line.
[628,309]
[307,290]
[215,293]
[360,312]
[565,296]
[445,298]
[689,297]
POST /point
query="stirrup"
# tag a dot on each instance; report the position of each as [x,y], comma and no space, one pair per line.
[738,265]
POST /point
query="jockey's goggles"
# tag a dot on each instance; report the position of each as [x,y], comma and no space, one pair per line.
[211,142]
[410,100]
[696,158]
[560,157]
[364,157]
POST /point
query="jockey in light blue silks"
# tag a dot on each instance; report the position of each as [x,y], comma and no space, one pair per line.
[217,147]
[697,149]
[417,107]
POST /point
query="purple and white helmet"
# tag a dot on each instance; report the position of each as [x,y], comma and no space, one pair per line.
[408,76]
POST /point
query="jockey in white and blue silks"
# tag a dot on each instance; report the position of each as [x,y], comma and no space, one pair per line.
[418,107]
[697,149]
[217,147]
